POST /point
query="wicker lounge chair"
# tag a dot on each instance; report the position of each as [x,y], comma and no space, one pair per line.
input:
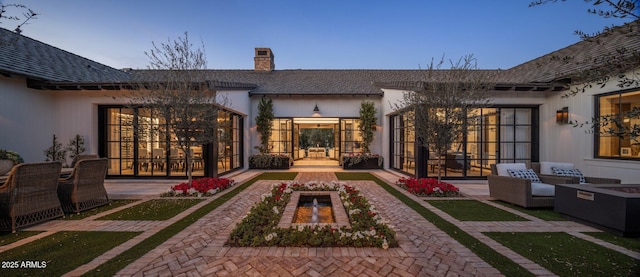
[83,157]
[29,195]
[84,188]
[545,168]
[518,191]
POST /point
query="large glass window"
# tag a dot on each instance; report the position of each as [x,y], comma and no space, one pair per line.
[618,104]
[493,135]
[350,137]
[403,139]
[138,142]
[280,141]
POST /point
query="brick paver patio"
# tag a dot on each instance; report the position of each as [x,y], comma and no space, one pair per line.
[199,249]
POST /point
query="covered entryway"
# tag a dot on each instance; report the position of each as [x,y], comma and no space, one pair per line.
[316,141]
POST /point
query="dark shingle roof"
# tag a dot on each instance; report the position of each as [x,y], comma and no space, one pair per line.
[28,57]
[53,68]
[584,55]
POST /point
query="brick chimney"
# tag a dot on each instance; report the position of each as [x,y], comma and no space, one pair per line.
[264,60]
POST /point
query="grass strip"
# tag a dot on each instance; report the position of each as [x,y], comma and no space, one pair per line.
[278,175]
[505,265]
[9,238]
[566,255]
[60,253]
[156,209]
[473,210]
[628,243]
[119,262]
[544,214]
[114,204]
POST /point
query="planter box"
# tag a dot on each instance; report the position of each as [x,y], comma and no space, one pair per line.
[371,163]
[281,166]
[612,207]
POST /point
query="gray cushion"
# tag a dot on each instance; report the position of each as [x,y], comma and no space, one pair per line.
[503,167]
[542,189]
[525,174]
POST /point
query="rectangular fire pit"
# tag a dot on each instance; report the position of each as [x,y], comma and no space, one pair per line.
[612,207]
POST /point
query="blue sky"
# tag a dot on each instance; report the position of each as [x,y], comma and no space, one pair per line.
[319,34]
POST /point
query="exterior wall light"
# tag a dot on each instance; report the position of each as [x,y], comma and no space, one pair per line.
[562,115]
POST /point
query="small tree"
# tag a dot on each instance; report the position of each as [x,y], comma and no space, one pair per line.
[178,92]
[76,146]
[440,105]
[264,122]
[55,152]
[367,125]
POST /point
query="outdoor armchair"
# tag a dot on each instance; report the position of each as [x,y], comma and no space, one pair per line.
[568,171]
[84,188]
[29,195]
[521,191]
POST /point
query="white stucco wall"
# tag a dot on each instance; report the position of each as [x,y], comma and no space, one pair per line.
[565,143]
[27,119]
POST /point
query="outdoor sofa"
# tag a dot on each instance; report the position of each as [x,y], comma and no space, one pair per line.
[522,191]
[84,188]
[29,195]
[568,170]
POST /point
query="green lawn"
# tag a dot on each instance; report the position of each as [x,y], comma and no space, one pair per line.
[629,243]
[566,255]
[114,204]
[9,238]
[544,214]
[156,209]
[62,252]
[472,210]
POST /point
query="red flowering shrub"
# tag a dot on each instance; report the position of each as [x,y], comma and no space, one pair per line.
[428,187]
[199,187]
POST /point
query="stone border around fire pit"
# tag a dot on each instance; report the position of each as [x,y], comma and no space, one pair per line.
[339,213]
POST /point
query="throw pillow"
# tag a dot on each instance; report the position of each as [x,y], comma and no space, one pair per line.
[569,172]
[525,174]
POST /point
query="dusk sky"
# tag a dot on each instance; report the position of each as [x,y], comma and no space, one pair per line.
[320,34]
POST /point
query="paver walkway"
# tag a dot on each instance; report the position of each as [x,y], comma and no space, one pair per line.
[424,250]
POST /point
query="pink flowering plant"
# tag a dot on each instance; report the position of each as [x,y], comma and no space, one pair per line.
[260,226]
[428,187]
[200,187]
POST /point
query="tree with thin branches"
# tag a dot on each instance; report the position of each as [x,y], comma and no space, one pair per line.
[618,63]
[27,14]
[439,107]
[175,87]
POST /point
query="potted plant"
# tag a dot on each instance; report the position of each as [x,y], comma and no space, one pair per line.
[264,126]
[8,159]
[367,127]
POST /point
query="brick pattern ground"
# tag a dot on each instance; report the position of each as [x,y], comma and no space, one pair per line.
[199,249]
[424,250]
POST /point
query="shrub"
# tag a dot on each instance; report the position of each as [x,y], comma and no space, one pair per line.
[428,187]
[200,187]
[10,155]
[269,160]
